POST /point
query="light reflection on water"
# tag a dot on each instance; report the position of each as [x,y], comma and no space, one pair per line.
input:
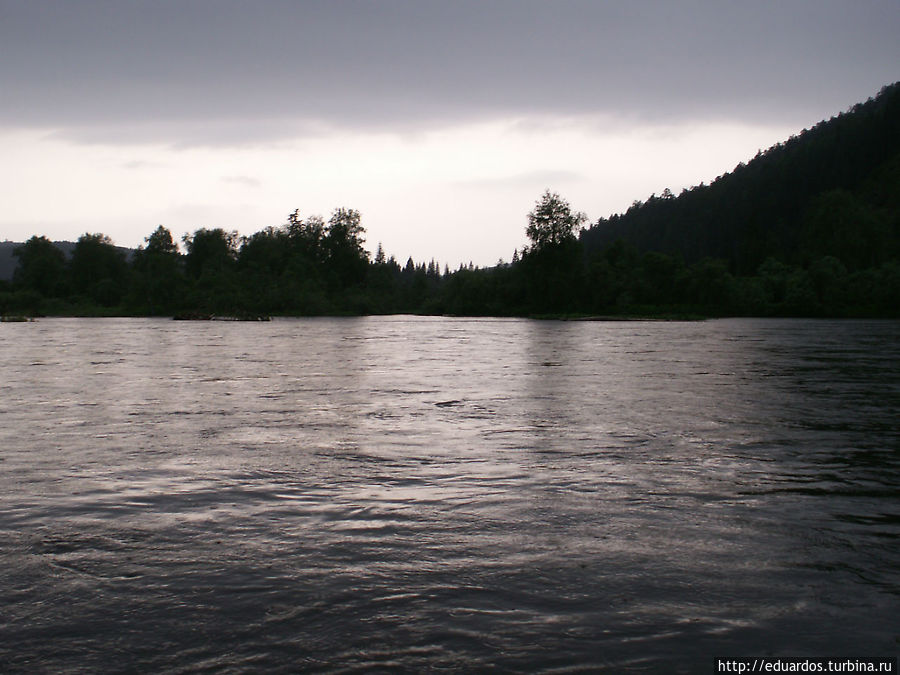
[420,493]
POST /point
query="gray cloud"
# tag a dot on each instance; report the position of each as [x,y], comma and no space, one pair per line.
[243,181]
[537,180]
[138,164]
[223,72]
[186,132]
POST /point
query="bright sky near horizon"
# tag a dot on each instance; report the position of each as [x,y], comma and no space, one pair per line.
[442,122]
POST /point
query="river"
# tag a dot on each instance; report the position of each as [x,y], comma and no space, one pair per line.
[406,494]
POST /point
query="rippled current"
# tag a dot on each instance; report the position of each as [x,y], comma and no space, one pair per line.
[417,494]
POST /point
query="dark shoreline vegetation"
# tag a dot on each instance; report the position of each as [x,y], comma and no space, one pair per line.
[810,227]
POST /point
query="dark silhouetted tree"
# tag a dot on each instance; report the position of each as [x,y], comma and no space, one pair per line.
[210,265]
[158,281]
[98,269]
[210,252]
[552,222]
[553,265]
[42,267]
[347,259]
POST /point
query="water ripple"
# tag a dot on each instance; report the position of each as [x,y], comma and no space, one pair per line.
[400,494]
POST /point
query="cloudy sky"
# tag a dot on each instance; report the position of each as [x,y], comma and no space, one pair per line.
[442,122]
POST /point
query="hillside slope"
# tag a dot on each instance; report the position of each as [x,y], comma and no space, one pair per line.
[831,190]
[8,261]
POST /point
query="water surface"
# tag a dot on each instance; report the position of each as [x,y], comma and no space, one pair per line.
[409,494]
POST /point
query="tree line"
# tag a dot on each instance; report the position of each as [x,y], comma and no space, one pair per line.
[810,227]
[310,266]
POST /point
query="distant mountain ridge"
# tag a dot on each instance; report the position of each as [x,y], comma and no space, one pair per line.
[8,261]
[844,173]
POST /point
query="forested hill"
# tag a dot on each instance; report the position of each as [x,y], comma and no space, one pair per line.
[831,190]
[9,262]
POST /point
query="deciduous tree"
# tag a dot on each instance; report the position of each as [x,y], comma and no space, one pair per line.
[552,222]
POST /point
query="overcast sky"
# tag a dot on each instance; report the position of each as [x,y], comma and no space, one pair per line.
[442,122]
